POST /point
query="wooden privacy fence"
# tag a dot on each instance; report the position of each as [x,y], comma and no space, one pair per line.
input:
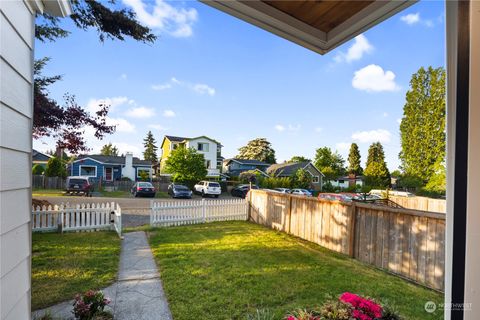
[408,243]
[168,213]
[80,217]
[44,182]
[421,203]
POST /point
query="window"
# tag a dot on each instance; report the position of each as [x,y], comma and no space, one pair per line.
[139,172]
[341,181]
[175,146]
[89,171]
[207,164]
[202,147]
[316,179]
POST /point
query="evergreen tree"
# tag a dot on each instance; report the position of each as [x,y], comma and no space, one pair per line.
[376,171]
[331,164]
[258,149]
[150,152]
[422,130]
[354,161]
[109,150]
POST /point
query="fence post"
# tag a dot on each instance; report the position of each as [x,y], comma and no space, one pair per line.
[204,211]
[60,220]
[353,217]
[290,214]
[249,201]
[152,212]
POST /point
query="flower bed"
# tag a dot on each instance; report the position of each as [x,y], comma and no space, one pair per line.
[349,306]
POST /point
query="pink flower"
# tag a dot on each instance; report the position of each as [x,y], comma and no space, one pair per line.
[291,318]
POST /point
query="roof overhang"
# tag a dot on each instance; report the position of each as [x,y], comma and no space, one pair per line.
[290,23]
[58,8]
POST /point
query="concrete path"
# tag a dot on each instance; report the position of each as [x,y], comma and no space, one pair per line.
[138,292]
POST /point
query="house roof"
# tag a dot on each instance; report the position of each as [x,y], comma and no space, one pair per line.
[247,161]
[114,160]
[176,139]
[38,156]
[289,168]
[317,25]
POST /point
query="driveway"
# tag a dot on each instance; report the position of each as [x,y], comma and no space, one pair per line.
[135,211]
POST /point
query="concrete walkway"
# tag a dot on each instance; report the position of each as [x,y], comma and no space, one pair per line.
[138,292]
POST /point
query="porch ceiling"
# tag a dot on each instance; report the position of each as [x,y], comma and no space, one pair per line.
[319,25]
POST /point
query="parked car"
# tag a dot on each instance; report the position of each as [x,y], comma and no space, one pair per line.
[283,190]
[143,189]
[241,190]
[208,188]
[179,191]
[336,196]
[301,192]
[80,185]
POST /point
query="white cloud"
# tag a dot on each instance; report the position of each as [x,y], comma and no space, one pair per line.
[342,146]
[289,128]
[140,112]
[93,105]
[385,114]
[160,87]
[399,120]
[379,135]
[356,51]
[373,78]
[200,88]
[123,148]
[164,17]
[411,18]
[122,125]
[318,129]
[203,89]
[123,76]
[169,114]
[158,127]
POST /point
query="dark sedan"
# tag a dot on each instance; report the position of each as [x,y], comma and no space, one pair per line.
[143,189]
[241,190]
[179,191]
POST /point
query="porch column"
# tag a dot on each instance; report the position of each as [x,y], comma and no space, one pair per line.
[462,282]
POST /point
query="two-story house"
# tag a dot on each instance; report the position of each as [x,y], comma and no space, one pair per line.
[210,148]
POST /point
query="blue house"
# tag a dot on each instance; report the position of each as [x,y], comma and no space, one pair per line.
[110,168]
[233,167]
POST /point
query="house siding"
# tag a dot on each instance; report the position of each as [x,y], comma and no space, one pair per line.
[87,162]
[16,111]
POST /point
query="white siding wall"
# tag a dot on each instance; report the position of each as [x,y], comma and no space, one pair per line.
[212,150]
[16,108]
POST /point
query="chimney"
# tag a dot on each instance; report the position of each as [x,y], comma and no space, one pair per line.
[129,159]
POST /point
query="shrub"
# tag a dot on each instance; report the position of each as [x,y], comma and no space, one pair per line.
[144,176]
[90,305]
[37,169]
[55,168]
[335,310]
[125,179]
[263,314]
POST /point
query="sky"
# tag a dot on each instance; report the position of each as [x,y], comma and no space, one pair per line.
[212,74]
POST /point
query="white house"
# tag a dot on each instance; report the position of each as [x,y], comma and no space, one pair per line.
[345,182]
[16,113]
[210,148]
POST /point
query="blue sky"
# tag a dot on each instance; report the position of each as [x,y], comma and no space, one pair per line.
[212,74]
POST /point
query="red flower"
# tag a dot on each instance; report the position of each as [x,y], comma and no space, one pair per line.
[364,309]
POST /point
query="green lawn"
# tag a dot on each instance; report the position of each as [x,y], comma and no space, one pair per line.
[228,270]
[48,193]
[70,263]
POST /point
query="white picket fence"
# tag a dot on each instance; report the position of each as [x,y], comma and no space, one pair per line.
[169,213]
[80,217]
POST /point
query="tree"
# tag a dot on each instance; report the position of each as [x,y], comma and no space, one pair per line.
[66,122]
[376,170]
[422,130]
[186,166]
[150,152]
[55,168]
[38,169]
[110,23]
[354,161]
[299,159]
[331,164]
[302,179]
[109,150]
[258,149]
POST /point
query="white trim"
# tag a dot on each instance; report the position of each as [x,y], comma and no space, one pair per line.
[317,178]
[80,170]
[105,173]
[310,163]
[271,19]
[83,159]
[143,169]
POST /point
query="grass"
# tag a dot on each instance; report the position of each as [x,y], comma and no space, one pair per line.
[70,263]
[229,270]
[48,193]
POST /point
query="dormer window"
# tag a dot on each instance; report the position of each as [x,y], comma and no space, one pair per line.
[202,147]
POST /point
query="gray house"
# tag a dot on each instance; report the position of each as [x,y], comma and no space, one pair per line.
[233,167]
[289,169]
